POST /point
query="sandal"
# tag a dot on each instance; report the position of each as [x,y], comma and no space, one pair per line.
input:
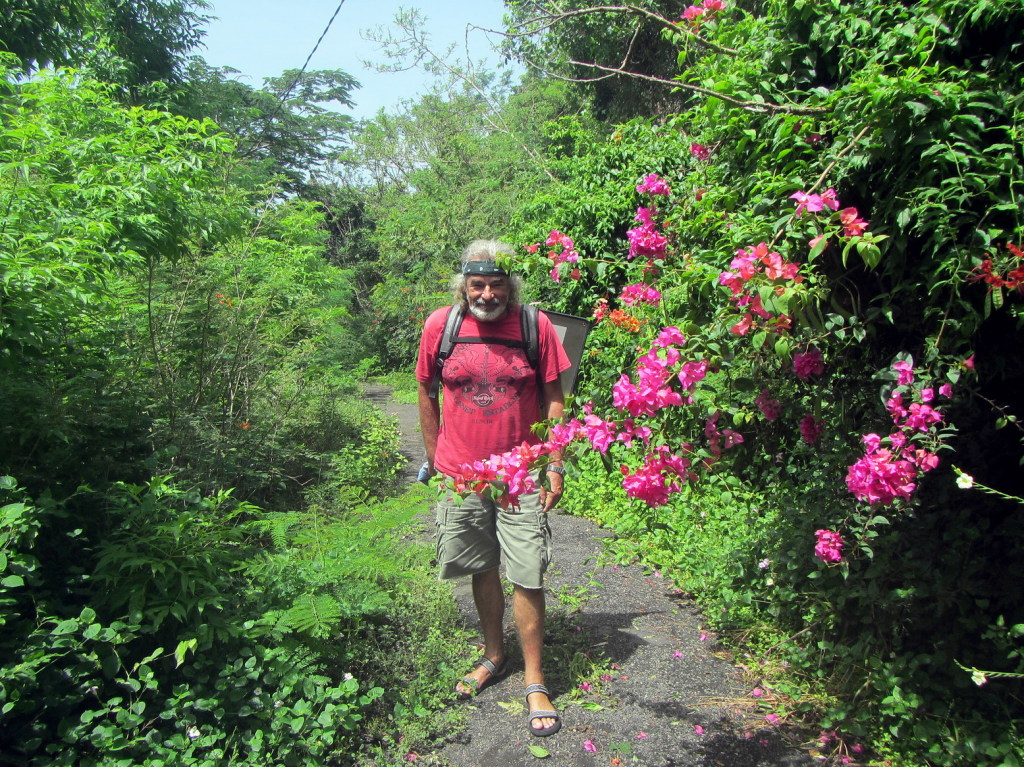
[542,732]
[496,671]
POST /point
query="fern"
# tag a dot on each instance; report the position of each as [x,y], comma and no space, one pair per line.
[316,614]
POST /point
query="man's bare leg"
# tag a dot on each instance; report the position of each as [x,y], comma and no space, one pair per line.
[528,607]
[490,609]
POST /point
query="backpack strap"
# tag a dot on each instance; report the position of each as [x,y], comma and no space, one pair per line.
[452,324]
[529,332]
[450,336]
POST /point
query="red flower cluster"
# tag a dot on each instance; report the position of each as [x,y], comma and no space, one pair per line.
[989,272]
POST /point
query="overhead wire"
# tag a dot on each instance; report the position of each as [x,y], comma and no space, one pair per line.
[295,81]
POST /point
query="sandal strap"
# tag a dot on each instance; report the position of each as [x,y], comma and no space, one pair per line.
[539,714]
[535,688]
[489,665]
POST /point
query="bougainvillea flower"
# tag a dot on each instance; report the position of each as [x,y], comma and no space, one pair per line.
[640,294]
[811,429]
[853,225]
[669,336]
[829,547]
[769,406]
[741,327]
[700,152]
[646,241]
[713,5]
[905,371]
[807,364]
[881,478]
[653,184]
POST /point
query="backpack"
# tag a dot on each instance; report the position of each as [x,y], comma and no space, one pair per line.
[450,336]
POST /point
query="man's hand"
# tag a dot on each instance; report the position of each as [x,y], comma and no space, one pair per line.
[549,498]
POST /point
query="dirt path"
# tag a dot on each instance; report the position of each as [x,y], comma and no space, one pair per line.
[665,699]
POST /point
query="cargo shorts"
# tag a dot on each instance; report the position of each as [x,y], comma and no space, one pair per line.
[473,534]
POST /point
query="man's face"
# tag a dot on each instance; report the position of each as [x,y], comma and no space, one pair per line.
[487,296]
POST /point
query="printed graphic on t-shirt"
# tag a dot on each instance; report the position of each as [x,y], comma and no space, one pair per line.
[486,379]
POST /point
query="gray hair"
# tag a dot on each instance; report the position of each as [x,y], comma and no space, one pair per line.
[486,250]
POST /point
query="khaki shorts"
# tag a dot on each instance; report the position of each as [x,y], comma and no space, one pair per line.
[473,534]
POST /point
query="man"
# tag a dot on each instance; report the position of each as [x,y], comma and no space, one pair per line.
[492,396]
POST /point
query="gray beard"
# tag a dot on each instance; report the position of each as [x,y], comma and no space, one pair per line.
[488,314]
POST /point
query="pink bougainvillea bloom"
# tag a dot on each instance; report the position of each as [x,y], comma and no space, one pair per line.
[641,735]
[807,364]
[713,5]
[905,371]
[646,241]
[772,718]
[677,654]
[828,199]
[946,391]
[692,13]
[670,336]
[811,429]
[653,184]
[927,394]
[588,745]
[743,326]
[829,546]
[880,478]
[895,407]
[769,406]
[698,729]
[853,225]
[924,460]
[969,363]
[920,416]
[897,439]
[533,248]
[871,442]
[585,686]
[757,692]
[809,202]
[703,636]
[640,294]
[700,152]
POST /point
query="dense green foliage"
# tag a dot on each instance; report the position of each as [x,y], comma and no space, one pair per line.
[200,561]
[913,117]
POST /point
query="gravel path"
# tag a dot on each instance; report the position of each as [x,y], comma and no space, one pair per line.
[667,699]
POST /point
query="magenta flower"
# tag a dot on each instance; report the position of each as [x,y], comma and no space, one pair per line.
[588,745]
[698,729]
[853,224]
[670,336]
[811,429]
[646,241]
[768,405]
[640,294]
[693,13]
[700,152]
[946,391]
[713,5]
[829,548]
[653,184]
[807,364]
[881,478]
[906,373]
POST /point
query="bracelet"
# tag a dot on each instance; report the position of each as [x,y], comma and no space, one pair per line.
[557,470]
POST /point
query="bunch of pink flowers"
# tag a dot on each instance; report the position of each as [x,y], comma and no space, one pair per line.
[742,269]
[567,254]
[829,546]
[640,294]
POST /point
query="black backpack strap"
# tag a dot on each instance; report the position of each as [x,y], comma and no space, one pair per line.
[452,324]
[530,333]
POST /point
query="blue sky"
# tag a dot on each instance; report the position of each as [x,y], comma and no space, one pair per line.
[261,38]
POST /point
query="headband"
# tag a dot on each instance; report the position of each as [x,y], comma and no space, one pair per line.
[483,268]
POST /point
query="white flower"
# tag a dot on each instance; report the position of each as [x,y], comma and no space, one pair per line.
[964,481]
[193,733]
[764,564]
[978,677]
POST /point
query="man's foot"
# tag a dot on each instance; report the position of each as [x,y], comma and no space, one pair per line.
[544,720]
[484,672]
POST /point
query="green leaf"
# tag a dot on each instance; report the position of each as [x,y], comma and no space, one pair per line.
[540,753]
[13,581]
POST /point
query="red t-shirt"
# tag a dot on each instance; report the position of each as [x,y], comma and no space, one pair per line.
[491,396]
